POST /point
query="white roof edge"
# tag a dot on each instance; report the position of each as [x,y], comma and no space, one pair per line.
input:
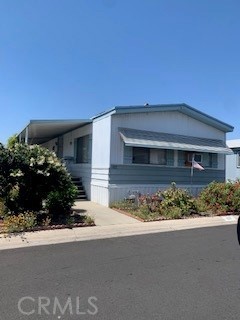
[59,121]
[233,143]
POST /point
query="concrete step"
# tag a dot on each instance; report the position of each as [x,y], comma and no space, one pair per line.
[81,191]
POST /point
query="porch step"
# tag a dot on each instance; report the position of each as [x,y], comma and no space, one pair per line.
[81,191]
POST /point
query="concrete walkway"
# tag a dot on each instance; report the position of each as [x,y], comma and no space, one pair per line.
[103,216]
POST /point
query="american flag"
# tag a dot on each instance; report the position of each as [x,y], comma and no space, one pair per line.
[196,165]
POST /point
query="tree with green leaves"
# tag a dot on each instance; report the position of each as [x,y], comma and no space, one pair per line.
[31,176]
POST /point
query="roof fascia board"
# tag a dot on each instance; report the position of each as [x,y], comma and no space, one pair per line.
[63,121]
[135,109]
[201,116]
[120,110]
[181,107]
[103,115]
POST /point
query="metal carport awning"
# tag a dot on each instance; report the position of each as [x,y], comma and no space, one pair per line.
[159,140]
[41,131]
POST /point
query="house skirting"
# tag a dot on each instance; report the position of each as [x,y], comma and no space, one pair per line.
[105,195]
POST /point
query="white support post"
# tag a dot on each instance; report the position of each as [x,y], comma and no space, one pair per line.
[26,135]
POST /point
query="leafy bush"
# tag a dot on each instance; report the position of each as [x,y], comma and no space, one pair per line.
[59,202]
[18,223]
[12,141]
[172,212]
[2,209]
[201,207]
[172,203]
[221,197]
[175,197]
[30,175]
[89,220]
[152,203]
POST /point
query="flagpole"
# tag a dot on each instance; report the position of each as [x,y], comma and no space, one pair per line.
[191,180]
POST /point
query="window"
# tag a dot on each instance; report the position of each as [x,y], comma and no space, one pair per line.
[141,155]
[238,159]
[210,162]
[82,149]
[197,157]
[149,156]
[158,156]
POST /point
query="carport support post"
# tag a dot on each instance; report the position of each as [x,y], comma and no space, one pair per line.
[26,135]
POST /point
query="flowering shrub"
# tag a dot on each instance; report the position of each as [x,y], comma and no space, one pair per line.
[221,197]
[172,203]
[29,175]
[151,202]
[175,197]
[19,223]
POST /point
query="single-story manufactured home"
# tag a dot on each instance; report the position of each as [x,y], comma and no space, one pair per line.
[233,160]
[136,149]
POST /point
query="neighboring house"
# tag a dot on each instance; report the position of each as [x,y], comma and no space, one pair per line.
[136,148]
[233,160]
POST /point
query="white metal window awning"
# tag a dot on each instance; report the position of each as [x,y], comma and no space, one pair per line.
[149,139]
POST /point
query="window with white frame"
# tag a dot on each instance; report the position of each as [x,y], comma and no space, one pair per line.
[238,159]
[83,149]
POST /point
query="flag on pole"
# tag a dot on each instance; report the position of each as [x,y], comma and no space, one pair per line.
[196,165]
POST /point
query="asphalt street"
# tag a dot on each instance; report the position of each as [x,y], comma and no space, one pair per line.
[188,275]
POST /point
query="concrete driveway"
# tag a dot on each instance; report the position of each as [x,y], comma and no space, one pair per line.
[103,216]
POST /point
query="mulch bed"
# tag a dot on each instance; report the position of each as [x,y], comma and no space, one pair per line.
[53,227]
[161,218]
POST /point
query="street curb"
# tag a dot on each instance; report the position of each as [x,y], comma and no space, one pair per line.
[48,237]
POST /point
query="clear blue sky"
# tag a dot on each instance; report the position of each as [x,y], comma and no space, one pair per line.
[75,58]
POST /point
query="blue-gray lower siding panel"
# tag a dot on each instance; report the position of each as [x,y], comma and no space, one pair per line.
[133,174]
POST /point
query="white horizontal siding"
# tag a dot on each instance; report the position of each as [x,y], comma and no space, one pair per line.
[100,176]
